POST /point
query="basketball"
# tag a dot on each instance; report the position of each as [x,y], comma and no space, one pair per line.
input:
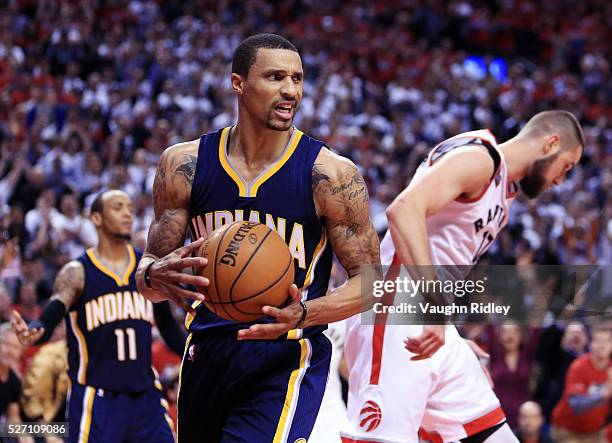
[249,267]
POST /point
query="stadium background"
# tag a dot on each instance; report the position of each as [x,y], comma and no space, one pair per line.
[91,93]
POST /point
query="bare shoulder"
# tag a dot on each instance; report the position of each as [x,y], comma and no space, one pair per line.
[468,169]
[69,282]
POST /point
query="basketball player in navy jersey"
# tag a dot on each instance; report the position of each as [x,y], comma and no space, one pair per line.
[113,396]
[259,382]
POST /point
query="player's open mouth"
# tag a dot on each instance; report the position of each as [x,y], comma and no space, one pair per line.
[284,111]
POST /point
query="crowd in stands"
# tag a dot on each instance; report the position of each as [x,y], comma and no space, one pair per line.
[92,92]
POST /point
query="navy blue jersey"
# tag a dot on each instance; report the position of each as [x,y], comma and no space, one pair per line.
[108,329]
[280,197]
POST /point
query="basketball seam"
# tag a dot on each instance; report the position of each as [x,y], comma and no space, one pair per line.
[246,265]
[255,295]
[263,290]
[215,268]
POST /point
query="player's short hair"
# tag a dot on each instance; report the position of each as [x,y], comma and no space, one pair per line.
[98,204]
[246,52]
[562,122]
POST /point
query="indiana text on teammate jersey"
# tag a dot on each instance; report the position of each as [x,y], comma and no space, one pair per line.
[108,334]
[260,167]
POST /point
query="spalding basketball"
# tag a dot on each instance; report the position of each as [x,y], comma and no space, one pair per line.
[249,267]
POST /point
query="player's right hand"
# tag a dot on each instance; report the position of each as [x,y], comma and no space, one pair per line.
[25,335]
[426,344]
[167,278]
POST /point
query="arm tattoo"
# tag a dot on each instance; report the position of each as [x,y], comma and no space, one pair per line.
[187,168]
[318,176]
[167,233]
[343,201]
[171,191]
[69,283]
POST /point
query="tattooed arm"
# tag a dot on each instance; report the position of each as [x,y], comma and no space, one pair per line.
[165,256]
[67,289]
[342,202]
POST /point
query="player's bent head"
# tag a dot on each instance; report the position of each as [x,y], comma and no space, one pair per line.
[559,139]
[112,213]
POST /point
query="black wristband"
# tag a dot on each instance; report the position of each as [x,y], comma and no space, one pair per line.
[147,276]
[49,319]
[304,313]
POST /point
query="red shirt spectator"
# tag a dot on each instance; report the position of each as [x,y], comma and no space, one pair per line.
[589,379]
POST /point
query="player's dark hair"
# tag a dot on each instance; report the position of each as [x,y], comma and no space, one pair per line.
[98,204]
[562,122]
[246,52]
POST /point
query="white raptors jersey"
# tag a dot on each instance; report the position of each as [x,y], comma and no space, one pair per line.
[464,229]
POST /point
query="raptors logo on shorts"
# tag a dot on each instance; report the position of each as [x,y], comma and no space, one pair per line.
[370,416]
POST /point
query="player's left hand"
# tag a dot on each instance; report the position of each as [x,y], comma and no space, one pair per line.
[286,319]
[426,344]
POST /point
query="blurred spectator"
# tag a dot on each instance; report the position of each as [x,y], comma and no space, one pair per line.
[27,301]
[170,384]
[557,349]
[581,414]
[511,367]
[46,383]
[10,385]
[530,421]
[5,304]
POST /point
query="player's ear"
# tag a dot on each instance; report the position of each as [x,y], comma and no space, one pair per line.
[552,145]
[237,83]
[96,218]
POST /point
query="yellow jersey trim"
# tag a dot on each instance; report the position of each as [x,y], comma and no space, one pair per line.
[242,186]
[293,393]
[189,317]
[295,334]
[83,354]
[85,425]
[250,189]
[121,281]
[295,139]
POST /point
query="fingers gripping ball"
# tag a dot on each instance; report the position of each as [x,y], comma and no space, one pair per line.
[249,267]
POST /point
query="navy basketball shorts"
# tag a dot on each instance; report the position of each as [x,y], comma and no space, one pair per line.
[251,391]
[101,416]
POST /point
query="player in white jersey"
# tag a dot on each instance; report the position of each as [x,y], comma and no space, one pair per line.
[407,377]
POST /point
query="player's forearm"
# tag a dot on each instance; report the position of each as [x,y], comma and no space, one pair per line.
[343,302]
[146,291]
[407,224]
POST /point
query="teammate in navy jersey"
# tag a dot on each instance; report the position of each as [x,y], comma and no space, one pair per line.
[114,395]
[259,382]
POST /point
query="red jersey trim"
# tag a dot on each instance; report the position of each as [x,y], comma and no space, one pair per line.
[380,322]
[486,421]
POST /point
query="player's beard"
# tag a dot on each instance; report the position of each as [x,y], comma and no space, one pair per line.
[534,182]
[121,236]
